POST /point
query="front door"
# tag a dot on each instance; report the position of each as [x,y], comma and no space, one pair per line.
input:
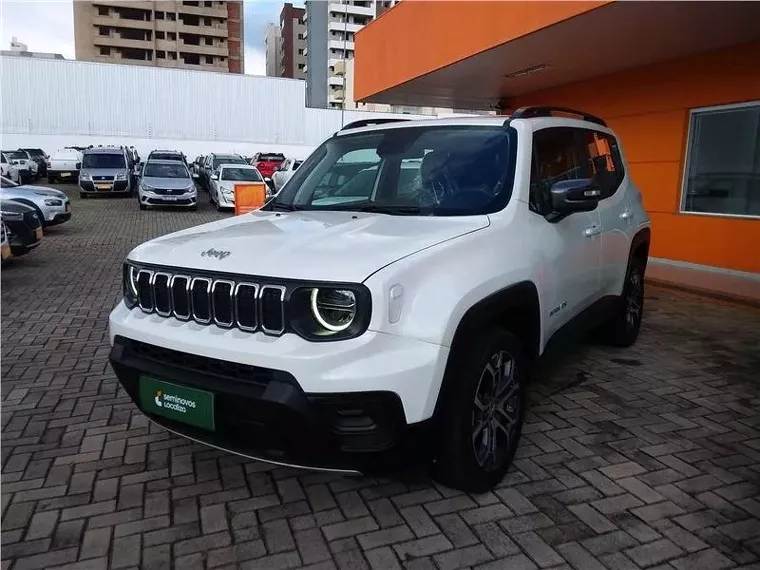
[570,248]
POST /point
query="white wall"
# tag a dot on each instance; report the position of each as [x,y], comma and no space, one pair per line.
[53,103]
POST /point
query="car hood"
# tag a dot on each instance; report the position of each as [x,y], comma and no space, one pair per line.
[329,246]
[33,193]
[39,190]
[168,183]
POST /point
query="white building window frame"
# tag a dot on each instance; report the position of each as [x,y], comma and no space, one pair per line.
[693,113]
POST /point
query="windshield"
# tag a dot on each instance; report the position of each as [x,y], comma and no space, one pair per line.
[7,183]
[438,171]
[270,158]
[15,154]
[227,160]
[243,174]
[103,160]
[166,156]
[153,170]
[34,151]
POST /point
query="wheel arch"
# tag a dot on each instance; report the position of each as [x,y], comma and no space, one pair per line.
[31,204]
[516,308]
[640,246]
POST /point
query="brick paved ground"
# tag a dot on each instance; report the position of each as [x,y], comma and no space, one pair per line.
[643,458]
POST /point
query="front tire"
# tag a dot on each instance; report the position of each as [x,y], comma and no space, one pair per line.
[622,329]
[143,206]
[481,412]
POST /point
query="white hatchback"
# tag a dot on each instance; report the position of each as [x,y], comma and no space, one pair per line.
[224,179]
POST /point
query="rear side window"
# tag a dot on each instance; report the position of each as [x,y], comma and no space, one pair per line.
[605,162]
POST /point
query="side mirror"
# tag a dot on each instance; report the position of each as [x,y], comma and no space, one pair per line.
[570,196]
[214,177]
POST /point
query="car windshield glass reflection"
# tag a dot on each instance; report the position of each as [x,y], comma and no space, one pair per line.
[153,170]
[97,160]
[228,160]
[434,171]
[242,174]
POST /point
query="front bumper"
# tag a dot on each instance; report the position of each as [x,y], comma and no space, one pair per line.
[264,414]
[55,215]
[226,200]
[358,405]
[155,199]
[109,186]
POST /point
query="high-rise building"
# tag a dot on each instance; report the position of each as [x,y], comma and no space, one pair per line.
[293,42]
[272,41]
[204,35]
[330,29]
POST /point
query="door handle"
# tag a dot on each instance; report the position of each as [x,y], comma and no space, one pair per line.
[626,215]
[592,231]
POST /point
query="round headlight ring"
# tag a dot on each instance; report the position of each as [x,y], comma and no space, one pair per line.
[319,306]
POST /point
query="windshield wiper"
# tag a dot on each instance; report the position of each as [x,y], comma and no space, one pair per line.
[275,205]
[391,209]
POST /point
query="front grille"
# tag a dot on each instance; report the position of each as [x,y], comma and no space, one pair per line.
[103,178]
[206,300]
[170,191]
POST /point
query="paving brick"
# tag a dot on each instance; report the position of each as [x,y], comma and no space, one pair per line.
[609,542]
[419,521]
[495,540]
[278,537]
[657,511]
[579,557]
[385,537]
[592,518]
[42,525]
[311,545]
[654,552]
[126,552]
[540,552]
[456,530]
[461,557]
[96,543]
[423,547]
[519,562]
[709,559]
[382,559]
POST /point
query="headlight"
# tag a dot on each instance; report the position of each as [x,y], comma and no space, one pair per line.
[130,285]
[333,309]
[53,202]
[121,176]
[146,188]
[226,190]
[84,176]
[329,313]
[13,216]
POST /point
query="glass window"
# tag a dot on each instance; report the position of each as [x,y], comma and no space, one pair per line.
[438,171]
[227,160]
[557,156]
[604,161]
[723,161]
[241,174]
[103,160]
[158,170]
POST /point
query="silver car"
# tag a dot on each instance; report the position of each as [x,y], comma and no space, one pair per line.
[105,170]
[166,183]
[53,206]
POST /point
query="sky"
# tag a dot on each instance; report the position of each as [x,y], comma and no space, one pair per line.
[48,26]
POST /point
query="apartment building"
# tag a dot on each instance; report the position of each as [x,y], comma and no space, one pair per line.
[293,42]
[272,41]
[205,35]
[330,29]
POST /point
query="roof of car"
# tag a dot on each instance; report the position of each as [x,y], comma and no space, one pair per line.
[161,161]
[234,165]
[165,151]
[104,150]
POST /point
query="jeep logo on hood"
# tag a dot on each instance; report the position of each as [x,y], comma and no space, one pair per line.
[215,253]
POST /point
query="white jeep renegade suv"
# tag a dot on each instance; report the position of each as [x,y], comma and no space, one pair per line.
[388,304]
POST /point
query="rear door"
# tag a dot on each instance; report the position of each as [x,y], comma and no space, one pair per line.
[570,248]
[606,165]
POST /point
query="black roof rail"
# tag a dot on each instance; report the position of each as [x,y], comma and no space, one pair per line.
[369,122]
[532,112]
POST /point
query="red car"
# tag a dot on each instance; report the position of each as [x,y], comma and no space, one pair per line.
[267,163]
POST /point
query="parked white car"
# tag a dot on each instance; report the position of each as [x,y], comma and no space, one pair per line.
[223,181]
[8,169]
[27,168]
[285,172]
[358,330]
[64,165]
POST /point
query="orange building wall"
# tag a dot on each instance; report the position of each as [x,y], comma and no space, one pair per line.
[382,63]
[649,110]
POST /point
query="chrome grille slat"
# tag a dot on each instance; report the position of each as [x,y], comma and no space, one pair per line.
[203,302]
[217,305]
[226,303]
[266,305]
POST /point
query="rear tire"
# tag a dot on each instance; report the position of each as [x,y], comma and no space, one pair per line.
[481,412]
[623,328]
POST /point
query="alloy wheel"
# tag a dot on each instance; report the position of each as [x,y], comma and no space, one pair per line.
[495,411]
